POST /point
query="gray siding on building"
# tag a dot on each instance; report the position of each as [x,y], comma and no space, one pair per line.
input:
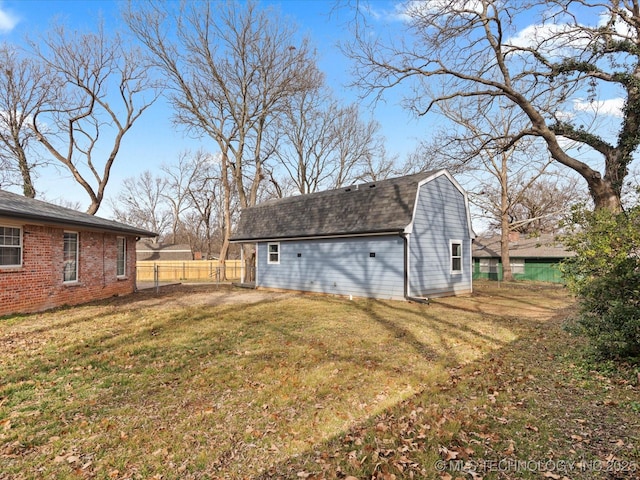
[341,266]
[440,217]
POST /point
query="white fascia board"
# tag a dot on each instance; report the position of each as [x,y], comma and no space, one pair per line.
[409,228]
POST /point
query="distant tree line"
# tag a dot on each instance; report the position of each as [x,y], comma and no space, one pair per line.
[242,80]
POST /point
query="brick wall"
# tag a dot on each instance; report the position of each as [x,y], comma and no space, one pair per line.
[38,284]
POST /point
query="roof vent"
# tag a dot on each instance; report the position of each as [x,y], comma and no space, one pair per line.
[373,185]
[348,189]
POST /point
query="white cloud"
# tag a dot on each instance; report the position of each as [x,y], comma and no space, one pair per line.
[597,108]
[7,21]
[409,10]
[612,107]
[620,27]
[553,40]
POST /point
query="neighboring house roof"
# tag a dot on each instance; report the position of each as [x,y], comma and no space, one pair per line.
[22,208]
[157,251]
[379,207]
[543,246]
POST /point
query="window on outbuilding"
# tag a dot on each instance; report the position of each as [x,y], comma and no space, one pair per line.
[456,256]
[121,267]
[10,246]
[70,257]
[273,253]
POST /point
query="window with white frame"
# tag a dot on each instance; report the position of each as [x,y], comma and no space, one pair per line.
[121,262]
[489,265]
[456,256]
[273,253]
[517,266]
[70,257]
[10,246]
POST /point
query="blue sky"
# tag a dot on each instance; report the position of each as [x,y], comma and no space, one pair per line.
[154,140]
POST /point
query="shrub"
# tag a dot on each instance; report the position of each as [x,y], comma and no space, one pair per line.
[605,276]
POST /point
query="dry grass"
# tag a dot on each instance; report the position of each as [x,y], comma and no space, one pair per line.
[205,383]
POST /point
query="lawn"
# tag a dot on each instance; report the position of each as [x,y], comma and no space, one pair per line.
[206,382]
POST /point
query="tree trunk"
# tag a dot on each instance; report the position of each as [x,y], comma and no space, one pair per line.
[249,262]
[604,195]
[507,275]
[222,259]
[226,192]
[27,184]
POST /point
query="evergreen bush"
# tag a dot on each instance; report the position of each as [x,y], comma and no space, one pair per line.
[605,276]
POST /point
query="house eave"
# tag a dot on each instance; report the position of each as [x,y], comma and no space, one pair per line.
[66,223]
[284,238]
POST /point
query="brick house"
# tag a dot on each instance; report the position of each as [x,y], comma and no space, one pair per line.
[52,256]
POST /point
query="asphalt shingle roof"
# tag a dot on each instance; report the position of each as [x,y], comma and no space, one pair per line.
[374,207]
[28,209]
[147,250]
[543,246]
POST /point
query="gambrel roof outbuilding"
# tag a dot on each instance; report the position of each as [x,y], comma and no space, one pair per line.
[381,207]
[406,237]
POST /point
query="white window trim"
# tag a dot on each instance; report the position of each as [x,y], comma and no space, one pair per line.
[269,261]
[77,234]
[518,266]
[451,257]
[21,246]
[488,265]
[124,239]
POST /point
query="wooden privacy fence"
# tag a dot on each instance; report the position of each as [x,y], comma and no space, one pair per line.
[187,270]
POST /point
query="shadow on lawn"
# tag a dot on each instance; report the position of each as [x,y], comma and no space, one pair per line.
[373,437]
[154,339]
[397,443]
[92,349]
[445,328]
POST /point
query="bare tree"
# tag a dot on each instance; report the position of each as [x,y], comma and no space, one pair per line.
[379,165]
[105,88]
[183,202]
[230,67]
[179,177]
[553,73]
[141,202]
[25,86]
[322,144]
[305,139]
[207,203]
[358,145]
[196,201]
[505,173]
[540,209]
